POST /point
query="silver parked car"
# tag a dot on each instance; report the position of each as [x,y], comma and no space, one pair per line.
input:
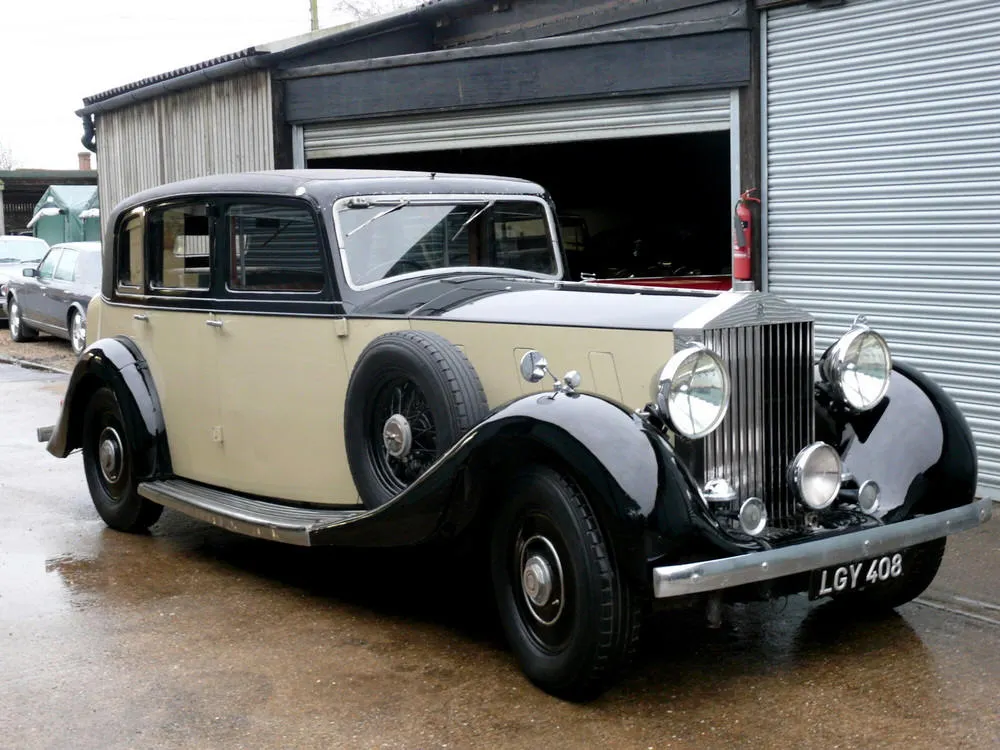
[15,254]
[53,295]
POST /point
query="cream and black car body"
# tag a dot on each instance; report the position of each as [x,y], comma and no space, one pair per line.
[379,359]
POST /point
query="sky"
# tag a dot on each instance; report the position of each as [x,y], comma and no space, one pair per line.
[53,53]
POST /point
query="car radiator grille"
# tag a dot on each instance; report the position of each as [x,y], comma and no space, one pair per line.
[770,416]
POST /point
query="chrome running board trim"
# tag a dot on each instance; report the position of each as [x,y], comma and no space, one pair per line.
[245,515]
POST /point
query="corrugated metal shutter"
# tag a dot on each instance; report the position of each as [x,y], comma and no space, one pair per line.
[883,181]
[580,121]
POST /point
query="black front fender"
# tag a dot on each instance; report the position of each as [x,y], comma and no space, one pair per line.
[648,506]
[118,364]
[916,445]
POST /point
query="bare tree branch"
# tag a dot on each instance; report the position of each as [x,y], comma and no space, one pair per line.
[359,9]
[7,160]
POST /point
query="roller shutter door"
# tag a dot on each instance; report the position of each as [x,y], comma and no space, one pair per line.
[580,121]
[882,166]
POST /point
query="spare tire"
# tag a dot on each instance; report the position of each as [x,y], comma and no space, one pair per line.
[411,397]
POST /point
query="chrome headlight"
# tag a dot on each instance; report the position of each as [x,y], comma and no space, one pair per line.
[857,368]
[815,475]
[693,391]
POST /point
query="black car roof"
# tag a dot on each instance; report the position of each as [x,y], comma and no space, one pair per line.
[327,185]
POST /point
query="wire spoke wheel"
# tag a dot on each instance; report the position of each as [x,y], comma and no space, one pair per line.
[411,397]
[403,439]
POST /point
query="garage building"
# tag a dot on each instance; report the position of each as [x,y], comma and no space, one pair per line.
[870,125]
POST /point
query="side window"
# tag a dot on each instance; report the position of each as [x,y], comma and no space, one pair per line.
[66,266]
[273,248]
[181,247]
[130,255]
[48,264]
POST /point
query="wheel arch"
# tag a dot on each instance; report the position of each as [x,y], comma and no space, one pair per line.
[75,307]
[118,364]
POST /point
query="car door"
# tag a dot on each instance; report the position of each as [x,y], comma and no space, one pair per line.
[31,296]
[164,282]
[281,356]
[56,292]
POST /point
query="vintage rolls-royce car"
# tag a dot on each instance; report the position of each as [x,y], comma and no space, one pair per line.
[386,358]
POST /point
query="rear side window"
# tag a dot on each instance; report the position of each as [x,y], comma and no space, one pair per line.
[88,269]
[130,255]
[273,248]
[181,247]
[67,265]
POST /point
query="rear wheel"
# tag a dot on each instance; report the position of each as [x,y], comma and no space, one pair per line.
[18,330]
[570,618]
[109,467]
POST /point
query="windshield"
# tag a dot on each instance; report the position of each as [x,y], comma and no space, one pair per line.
[381,238]
[22,250]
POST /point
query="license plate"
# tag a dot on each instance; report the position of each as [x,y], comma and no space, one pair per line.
[856,575]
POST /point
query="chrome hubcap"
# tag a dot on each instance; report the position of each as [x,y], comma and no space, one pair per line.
[542,580]
[15,322]
[397,436]
[79,333]
[537,580]
[109,454]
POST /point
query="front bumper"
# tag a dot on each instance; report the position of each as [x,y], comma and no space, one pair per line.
[727,572]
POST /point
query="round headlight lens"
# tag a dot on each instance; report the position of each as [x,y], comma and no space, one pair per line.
[857,367]
[693,391]
[815,475]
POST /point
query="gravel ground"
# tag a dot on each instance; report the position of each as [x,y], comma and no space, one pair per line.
[46,350]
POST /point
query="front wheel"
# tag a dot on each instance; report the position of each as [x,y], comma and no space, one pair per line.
[109,467]
[570,618]
[77,332]
[18,330]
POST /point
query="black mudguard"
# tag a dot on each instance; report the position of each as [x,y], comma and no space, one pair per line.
[916,445]
[648,506]
[118,364]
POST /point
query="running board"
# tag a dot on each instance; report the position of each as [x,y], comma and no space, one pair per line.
[246,515]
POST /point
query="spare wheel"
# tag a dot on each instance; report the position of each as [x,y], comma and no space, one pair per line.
[411,397]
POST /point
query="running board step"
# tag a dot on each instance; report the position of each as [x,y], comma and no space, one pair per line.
[246,515]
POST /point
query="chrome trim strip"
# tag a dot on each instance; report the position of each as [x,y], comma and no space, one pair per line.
[243,515]
[712,575]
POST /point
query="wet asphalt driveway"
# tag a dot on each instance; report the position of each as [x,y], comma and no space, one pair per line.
[196,638]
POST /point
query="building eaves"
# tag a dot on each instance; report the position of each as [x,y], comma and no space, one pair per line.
[262,56]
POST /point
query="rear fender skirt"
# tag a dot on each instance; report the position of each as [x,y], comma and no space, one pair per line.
[118,364]
[916,445]
[647,505]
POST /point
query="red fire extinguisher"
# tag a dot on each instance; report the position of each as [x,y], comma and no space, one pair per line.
[743,236]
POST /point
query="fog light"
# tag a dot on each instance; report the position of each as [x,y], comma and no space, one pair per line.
[719,492]
[815,475]
[753,516]
[868,496]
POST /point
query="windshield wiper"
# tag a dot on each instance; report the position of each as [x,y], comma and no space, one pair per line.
[377,216]
[10,260]
[472,218]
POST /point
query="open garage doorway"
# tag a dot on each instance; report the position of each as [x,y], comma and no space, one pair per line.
[643,207]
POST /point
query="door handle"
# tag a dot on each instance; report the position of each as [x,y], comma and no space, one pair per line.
[143,318]
[214,323]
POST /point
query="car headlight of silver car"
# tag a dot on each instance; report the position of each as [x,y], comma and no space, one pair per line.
[857,368]
[692,391]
